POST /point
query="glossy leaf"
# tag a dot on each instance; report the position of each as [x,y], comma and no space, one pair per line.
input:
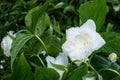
[98,62]
[18,43]
[37,19]
[116,78]
[112,46]
[79,72]
[108,75]
[47,36]
[60,5]
[105,67]
[22,70]
[108,36]
[55,48]
[69,8]
[112,43]
[34,46]
[115,66]
[57,66]
[96,10]
[46,74]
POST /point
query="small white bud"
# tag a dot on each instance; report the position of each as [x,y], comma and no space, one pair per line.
[2,61]
[1,66]
[112,57]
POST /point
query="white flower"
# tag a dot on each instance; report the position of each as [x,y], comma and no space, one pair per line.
[112,57]
[82,41]
[60,60]
[6,43]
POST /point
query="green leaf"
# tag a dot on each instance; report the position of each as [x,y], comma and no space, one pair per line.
[60,5]
[42,24]
[112,43]
[96,10]
[108,36]
[112,46]
[99,62]
[34,46]
[60,67]
[55,48]
[47,37]
[22,70]
[69,8]
[46,74]
[115,66]
[32,2]
[37,19]
[107,69]
[79,72]
[108,74]
[69,70]
[116,78]
[18,43]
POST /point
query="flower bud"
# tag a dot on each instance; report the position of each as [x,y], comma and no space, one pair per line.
[1,66]
[112,57]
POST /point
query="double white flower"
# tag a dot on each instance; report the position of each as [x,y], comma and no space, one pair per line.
[82,41]
[6,43]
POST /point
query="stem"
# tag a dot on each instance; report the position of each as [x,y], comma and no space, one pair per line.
[93,69]
[110,70]
[41,42]
[41,61]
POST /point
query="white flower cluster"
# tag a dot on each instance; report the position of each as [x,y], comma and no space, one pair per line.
[6,43]
[80,43]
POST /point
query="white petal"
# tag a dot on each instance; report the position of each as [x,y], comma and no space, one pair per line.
[62,59]
[60,73]
[98,42]
[100,77]
[90,78]
[72,31]
[6,45]
[89,24]
[50,59]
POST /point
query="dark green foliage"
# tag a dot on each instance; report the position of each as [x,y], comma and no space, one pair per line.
[40,26]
